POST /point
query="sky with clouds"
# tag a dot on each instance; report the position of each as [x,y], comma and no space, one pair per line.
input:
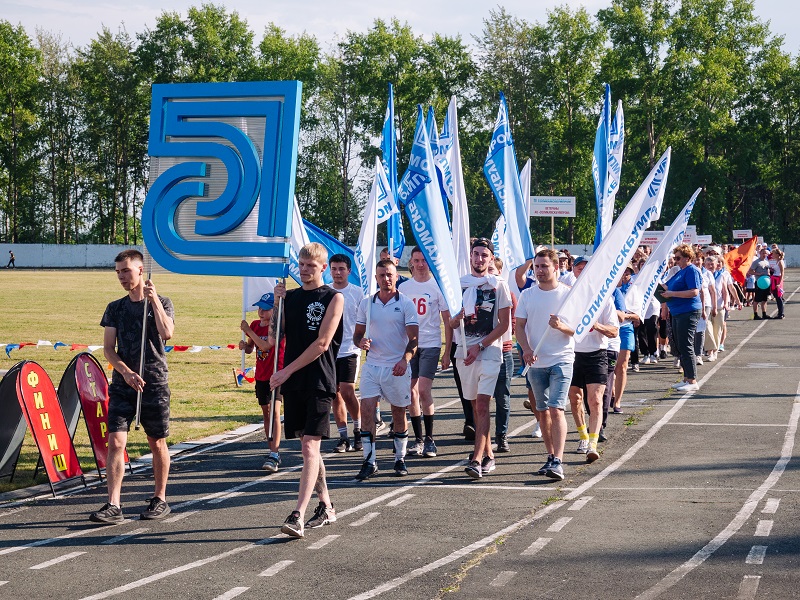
[79,21]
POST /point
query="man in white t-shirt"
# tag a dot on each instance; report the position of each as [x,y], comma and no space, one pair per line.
[590,373]
[349,358]
[391,343]
[486,316]
[431,309]
[550,370]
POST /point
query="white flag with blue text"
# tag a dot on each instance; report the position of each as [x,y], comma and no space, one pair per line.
[596,284]
[366,254]
[449,161]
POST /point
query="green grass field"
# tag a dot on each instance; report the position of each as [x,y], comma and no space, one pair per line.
[66,306]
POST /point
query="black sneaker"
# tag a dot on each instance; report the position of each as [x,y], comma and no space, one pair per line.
[469,432]
[293,526]
[487,465]
[415,448]
[662,355]
[601,437]
[157,509]
[357,445]
[543,469]
[473,469]
[343,445]
[400,468]
[756,317]
[502,444]
[368,469]
[109,515]
[324,515]
[765,316]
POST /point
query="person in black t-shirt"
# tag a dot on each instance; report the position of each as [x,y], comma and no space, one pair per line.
[122,341]
[312,321]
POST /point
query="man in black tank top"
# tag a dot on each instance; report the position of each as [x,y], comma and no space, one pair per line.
[312,321]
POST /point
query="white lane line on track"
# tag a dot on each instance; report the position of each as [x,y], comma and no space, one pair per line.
[3,582]
[503,577]
[749,587]
[365,519]
[55,561]
[756,555]
[741,517]
[66,536]
[781,425]
[225,497]
[580,503]
[400,500]
[771,506]
[763,528]
[125,536]
[13,510]
[180,516]
[276,568]
[237,591]
[559,524]
[323,542]
[536,546]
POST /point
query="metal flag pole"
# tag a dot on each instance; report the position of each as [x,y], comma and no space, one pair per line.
[273,392]
[138,420]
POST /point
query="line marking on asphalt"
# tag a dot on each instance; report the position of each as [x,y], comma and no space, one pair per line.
[237,591]
[55,561]
[125,536]
[400,500]
[225,497]
[756,555]
[180,516]
[580,503]
[323,542]
[744,513]
[522,428]
[488,486]
[559,524]
[66,536]
[13,511]
[763,528]
[365,519]
[503,577]
[3,582]
[730,424]
[748,587]
[771,506]
[276,568]
[536,546]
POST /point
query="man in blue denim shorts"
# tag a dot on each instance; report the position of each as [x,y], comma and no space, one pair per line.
[550,371]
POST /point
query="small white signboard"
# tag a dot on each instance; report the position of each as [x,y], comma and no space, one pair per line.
[742,234]
[553,206]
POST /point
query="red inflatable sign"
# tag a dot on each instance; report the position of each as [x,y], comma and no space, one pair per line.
[39,402]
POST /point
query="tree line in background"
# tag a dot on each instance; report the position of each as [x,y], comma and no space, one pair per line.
[704,76]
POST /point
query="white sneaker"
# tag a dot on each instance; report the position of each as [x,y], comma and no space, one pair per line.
[712,357]
[688,387]
[654,359]
[699,360]
[636,367]
[676,363]
[675,386]
[537,431]
[646,360]
[583,447]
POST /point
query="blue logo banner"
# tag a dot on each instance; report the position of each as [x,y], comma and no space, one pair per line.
[224,157]
[394,227]
[600,168]
[334,246]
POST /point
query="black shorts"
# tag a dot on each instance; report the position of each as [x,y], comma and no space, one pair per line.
[264,393]
[347,368]
[590,367]
[155,409]
[761,295]
[307,413]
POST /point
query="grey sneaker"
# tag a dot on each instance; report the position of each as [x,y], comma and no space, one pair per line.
[109,514]
[414,448]
[343,445]
[400,468]
[272,464]
[473,469]
[583,447]
[556,470]
[157,509]
[549,463]
[487,465]
[324,515]
[293,526]
[429,449]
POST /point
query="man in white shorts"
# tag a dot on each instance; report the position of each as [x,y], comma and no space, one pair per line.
[431,309]
[392,343]
[349,357]
[486,316]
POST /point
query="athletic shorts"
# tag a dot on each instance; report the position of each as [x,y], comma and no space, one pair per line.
[761,295]
[155,409]
[478,378]
[627,339]
[264,393]
[381,382]
[589,368]
[347,368]
[424,363]
[306,413]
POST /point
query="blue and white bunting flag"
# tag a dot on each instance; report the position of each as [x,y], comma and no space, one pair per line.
[500,169]
[596,284]
[449,161]
[394,227]
[616,144]
[605,215]
[366,254]
[422,196]
[644,286]
[333,246]
[433,138]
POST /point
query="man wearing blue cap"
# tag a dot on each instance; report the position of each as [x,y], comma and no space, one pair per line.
[258,338]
